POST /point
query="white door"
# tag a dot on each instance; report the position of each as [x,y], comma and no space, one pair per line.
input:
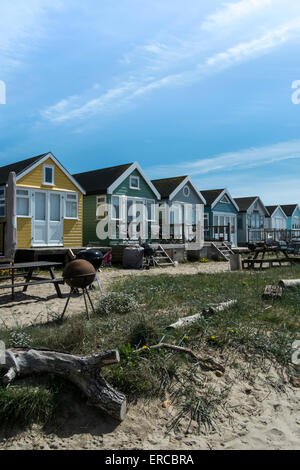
[47,220]
[40,218]
[55,224]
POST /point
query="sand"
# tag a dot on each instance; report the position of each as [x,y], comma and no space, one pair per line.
[256,415]
[40,303]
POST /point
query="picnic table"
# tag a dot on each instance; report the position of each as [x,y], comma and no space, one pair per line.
[255,259]
[30,278]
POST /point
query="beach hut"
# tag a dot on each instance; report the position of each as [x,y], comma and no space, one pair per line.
[49,203]
[250,220]
[181,203]
[292,212]
[220,211]
[276,219]
[120,205]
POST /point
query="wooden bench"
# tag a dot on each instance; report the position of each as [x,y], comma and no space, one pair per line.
[250,263]
[30,279]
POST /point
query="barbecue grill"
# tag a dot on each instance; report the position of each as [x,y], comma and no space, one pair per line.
[79,274]
[95,257]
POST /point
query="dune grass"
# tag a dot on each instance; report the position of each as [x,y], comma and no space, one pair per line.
[254,329]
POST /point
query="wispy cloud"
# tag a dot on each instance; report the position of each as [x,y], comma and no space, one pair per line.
[231,13]
[170,62]
[231,161]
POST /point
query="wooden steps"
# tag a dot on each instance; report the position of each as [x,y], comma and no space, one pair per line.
[161,258]
[224,250]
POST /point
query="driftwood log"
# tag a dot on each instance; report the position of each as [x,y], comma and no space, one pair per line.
[185,321]
[289,283]
[84,372]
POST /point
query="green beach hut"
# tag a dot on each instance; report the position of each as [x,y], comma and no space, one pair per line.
[120,204]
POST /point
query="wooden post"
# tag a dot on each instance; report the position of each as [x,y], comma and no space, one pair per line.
[229,232]
[235,262]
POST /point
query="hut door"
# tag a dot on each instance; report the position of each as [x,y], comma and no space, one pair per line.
[40,218]
[47,221]
[55,230]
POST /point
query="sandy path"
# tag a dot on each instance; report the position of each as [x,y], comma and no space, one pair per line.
[40,303]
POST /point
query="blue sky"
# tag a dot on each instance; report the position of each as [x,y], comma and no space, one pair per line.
[194,87]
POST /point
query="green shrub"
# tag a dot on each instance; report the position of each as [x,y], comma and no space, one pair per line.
[117,303]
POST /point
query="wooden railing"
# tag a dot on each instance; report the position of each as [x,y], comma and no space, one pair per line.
[215,233]
[278,235]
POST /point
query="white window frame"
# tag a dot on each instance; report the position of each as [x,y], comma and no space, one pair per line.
[296,223]
[3,201]
[120,208]
[152,202]
[186,189]
[225,199]
[101,200]
[72,200]
[24,197]
[44,175]
[130,182]
[206,218]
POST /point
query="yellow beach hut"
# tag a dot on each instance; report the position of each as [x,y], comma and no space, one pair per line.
[49,203]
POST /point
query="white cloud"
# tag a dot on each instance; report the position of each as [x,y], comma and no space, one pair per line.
[247,158]
[246,50]
[226,38]
[231,13]
[126,92]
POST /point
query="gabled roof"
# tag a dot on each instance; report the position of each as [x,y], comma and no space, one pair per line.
[97,181]
[244,203]
[166,186]
[18,167]
[106,180]
[169,187]
[289,209]
[23,167]
[213,196]
[273,209]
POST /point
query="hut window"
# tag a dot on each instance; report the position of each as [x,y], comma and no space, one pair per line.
[48,171]
[134,182]
[101,208]
[23,202]
[71,206]
[206,223]
[225,199]
[150,210]
[2,202]
[115,207]
[186,191]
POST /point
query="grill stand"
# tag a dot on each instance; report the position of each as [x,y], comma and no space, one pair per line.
[84,291]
